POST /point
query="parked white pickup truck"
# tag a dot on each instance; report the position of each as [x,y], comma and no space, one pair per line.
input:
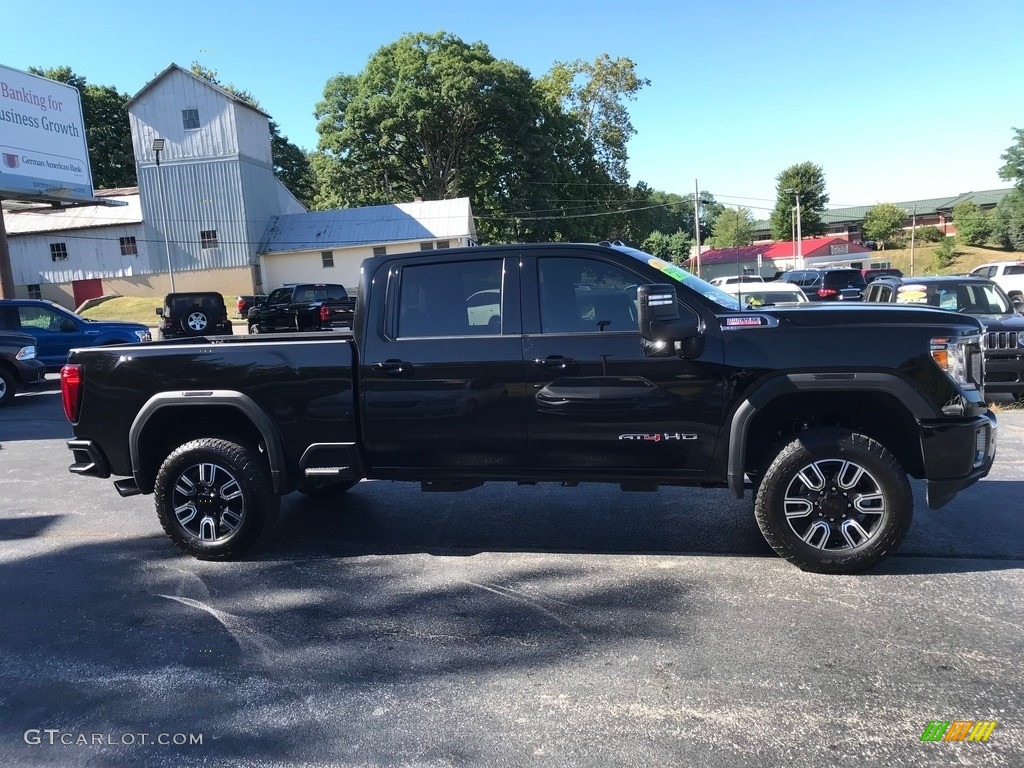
[1008,274]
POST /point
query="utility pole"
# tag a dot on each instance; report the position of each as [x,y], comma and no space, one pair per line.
[913,230]
[6,273]
[696,220]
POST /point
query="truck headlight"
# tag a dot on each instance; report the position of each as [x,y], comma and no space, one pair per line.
[961,358]
[26,353]
[144,335]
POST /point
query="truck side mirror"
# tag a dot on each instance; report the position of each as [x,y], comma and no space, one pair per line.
[160,311]
[68,325]
[661,325]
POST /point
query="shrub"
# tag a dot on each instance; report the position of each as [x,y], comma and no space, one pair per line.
[946,253]
[929,234]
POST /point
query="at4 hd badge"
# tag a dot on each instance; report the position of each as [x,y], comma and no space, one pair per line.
[657,437]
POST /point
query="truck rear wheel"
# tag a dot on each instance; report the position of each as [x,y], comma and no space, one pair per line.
[8,386]
[213,498]
[834,501]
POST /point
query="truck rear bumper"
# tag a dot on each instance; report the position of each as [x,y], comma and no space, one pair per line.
[957,455]
[89,459]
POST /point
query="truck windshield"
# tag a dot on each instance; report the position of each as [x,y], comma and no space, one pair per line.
[680,275]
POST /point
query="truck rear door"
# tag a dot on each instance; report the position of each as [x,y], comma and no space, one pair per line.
[441,366]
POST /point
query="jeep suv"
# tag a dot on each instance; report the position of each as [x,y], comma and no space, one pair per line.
[193,314]
[828,284]
[1004,324]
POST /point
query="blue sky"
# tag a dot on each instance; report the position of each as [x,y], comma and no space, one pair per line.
[895,100]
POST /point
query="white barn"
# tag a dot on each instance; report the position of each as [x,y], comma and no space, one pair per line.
[329,246]
[215,205]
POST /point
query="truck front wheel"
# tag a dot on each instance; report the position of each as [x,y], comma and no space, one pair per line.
[834,501]
[213,498]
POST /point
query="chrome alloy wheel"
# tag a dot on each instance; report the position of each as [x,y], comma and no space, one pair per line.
[196,321]
[834,504]
[208,502]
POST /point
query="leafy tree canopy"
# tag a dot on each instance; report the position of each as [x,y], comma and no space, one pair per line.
[107,130]
[808,181]
[1008,221]
[973,226]
[291,164]
[884,222]
[1013,169]
[733,227]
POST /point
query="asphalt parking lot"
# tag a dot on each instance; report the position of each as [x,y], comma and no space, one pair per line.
[501,626]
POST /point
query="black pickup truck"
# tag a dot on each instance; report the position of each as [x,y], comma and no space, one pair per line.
[302,307]
[551,362]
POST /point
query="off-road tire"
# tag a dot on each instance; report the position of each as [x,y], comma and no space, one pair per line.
[234,500]
[195,317]
[325,489]
[254,328]
[854,473]
[8,386]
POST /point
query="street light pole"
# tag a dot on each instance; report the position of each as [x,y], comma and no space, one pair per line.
[799,234]
[158,146]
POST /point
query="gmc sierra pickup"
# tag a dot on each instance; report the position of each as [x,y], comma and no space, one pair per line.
[551,362]
[302,307]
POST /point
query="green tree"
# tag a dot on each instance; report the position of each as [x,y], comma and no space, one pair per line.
[291,164]
[674,247]
[973,226]
[1008,221]
[434,117]
[808,180]
[1013,169]
[593,93]
[107,130]
[733,227]
[946,253]
[883,223]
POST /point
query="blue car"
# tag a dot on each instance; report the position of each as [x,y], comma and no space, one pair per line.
[58,330]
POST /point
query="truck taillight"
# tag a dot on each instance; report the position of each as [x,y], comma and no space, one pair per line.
[826,292]
[325,314]
[71,390]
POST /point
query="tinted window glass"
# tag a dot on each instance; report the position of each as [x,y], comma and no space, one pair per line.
[586,295]
[844,278]
[455,299]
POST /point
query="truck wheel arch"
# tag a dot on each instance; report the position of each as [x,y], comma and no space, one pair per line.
[759,400]
[238,402]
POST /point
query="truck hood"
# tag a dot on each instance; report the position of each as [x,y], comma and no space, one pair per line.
[821,314]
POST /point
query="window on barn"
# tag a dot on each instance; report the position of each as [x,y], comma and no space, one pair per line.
[128,246]
[441,244]
[426,246]
[327,259]
[58,251]
[380,250]
[208,239]
[190,119]
[34,292]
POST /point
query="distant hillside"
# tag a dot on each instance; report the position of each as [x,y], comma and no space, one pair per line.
[924,259]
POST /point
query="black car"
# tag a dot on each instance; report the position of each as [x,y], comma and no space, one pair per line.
[870,275]
[1002,318]
[18,365]
[200,313]
[832,284]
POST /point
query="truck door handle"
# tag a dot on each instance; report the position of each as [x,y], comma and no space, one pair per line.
[392,366]
[555,362]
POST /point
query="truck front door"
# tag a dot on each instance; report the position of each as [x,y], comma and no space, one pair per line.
[595,399]
[441,368]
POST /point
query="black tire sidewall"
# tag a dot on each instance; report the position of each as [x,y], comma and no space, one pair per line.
[260,501]
[834,443]
[10,387]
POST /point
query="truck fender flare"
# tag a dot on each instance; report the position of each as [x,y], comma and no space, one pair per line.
[831,381]
[243,403]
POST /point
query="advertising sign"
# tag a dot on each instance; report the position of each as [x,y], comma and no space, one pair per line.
[43,152]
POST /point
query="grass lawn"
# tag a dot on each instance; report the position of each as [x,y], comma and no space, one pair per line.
[134,309]
[924,259]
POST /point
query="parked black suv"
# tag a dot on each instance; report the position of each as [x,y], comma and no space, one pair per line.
[828,284]
[193,314]
[1004,324]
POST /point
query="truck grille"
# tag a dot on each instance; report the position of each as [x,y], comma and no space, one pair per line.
[1003,340]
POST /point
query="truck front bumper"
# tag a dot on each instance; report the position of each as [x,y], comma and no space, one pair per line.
[957,455]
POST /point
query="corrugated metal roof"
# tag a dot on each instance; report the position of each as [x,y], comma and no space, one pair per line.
[988,197]
[858,212]
[172,67]
[48,219]
[781,250]
[378,224]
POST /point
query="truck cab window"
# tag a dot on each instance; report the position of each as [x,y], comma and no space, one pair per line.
[450,299]
[579,295]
